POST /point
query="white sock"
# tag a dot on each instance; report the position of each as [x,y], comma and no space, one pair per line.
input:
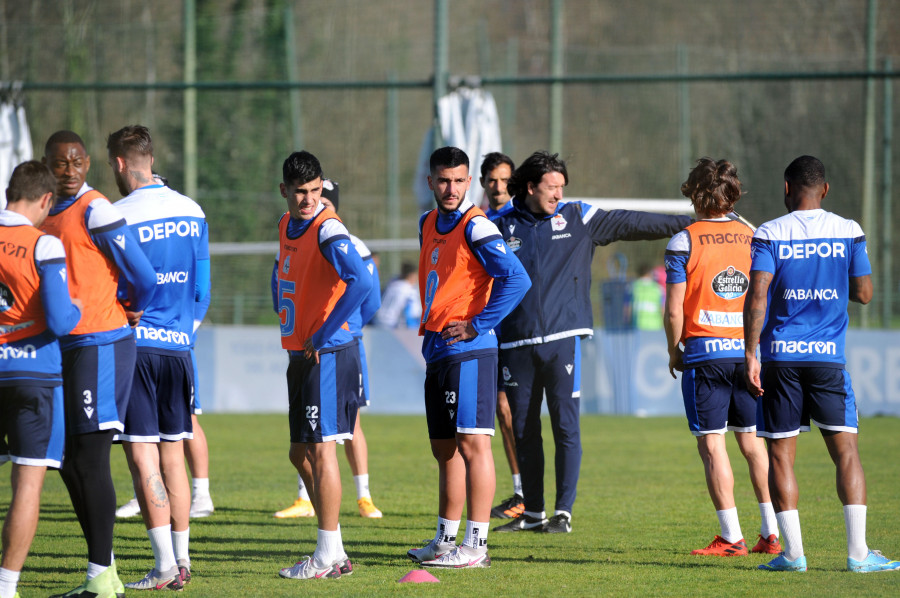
[9,581]
[341,551]
[94,570]
[517,484]
[566,513]
[768,524]
[447,531]
[476,535]
[328,547]
[200,487]
[301,489]
[855,522]
[789,522]
[731,527]
[180,541]
[362,486]
[161,544]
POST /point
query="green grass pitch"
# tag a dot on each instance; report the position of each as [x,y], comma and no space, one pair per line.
[642,507]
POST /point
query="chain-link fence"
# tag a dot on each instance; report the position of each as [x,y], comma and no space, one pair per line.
[622,138]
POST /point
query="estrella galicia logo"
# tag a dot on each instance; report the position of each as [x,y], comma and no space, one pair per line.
[434,255]
[514,243]
[730,283]
[6,298]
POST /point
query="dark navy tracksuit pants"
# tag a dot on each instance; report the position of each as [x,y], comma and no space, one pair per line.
[528,372]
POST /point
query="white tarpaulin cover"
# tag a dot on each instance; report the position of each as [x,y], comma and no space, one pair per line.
[15,138]
[469,121]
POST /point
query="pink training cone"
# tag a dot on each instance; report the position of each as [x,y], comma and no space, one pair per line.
[418,576]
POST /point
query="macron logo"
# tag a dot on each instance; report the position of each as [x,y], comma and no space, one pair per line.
[62,274]
[120,241]
[569,368]
[343,247]
[312,423]
[501,248]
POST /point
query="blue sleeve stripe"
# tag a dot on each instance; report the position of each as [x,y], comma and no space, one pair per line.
[485,240]
[52,261]
[330,240]
[108,227]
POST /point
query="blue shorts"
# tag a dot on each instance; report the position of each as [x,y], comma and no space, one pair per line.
[32,425]
[324,396]
[161,397]
[97,385]
[364,396]
[461,395]
[795,395]
[716,399]
[196,409]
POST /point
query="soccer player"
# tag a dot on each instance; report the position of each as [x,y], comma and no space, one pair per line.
[708,267]
[540,340]
[355,448]
[172,233]
[806,266]
[319,282]
[35,310]
[468,279]
[196,449]
[99,354]
[496,168]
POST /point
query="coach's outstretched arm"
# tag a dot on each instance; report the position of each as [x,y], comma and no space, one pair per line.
[630,225]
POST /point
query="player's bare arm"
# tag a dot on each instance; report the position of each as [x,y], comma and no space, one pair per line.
[861,289]
[673,322]
[754,318]
[458,330]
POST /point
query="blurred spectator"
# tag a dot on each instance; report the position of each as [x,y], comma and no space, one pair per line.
[400,305]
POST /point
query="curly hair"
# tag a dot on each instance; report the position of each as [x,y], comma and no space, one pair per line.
[713,186]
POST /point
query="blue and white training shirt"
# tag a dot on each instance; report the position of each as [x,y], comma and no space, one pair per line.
[171,231]
[812,255]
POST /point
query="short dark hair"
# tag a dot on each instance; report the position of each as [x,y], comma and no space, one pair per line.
[331,192]
[406,269]
[805,172]
[30,181]
[63,136]
[301,167]
[493,160]
[533,169]
[713,186]
[133,140]
[448,157]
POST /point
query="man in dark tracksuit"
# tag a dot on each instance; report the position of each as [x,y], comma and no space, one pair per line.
[539,340]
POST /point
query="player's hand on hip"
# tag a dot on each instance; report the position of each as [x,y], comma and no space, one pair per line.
[309,351]
[458,330]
